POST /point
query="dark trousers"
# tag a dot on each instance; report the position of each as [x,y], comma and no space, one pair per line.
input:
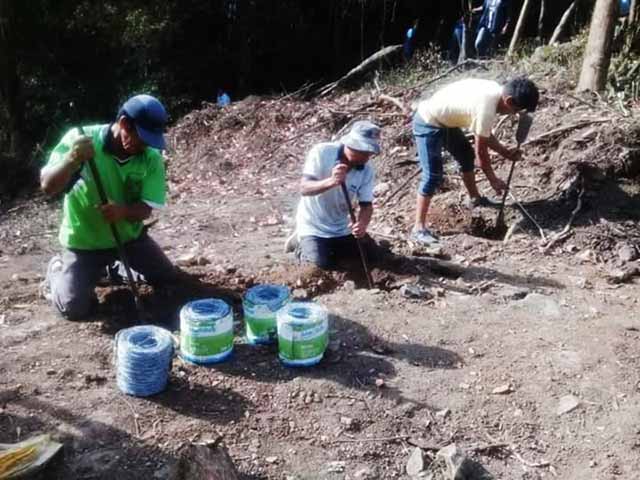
[72,288]
[331,253]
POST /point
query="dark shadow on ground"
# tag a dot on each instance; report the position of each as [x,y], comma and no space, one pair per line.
[355,358]
[91,449]
[606,200]
[186,396]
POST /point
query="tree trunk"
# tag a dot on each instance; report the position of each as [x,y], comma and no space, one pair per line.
[597,56]
[519,27]
[633,12]
[563,21]
[541,19]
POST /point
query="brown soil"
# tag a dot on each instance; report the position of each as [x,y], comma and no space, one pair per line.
[532,324]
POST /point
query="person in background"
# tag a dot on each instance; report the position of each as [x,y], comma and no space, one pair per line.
[223,98]
[494,22]
[409,45]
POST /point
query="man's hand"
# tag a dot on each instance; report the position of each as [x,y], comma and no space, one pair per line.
[498,185]
[339,173]
[81,151]
[113,212]
[358,229]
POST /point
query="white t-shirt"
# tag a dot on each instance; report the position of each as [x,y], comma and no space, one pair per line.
[327,215]
[467,103]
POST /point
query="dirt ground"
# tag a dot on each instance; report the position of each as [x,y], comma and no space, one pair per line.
[505,335]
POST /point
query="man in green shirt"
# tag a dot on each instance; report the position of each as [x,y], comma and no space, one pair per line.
[127,156]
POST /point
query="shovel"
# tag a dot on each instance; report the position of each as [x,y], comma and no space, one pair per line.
[524,125]
[116,236]
[363,257]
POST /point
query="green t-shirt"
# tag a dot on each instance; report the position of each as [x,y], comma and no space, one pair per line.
[141,178]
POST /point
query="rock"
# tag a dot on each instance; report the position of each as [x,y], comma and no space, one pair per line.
[380,383]
[347,422]
[413,290]
[349,286]
[202,260]
[366,473]
[381,189]
[187,260]
[543,306]
[586,255]
[503,390]
[443,413]
[336,467]
[511,293]
[208,459]
[300,293]
[627,253]
[416,462]
[272,460]
[455,465]
[567,404]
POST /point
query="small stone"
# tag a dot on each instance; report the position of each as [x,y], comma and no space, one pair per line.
[347,422]
[300,293]
[366,473]
[336,467]
[465,386]
[443,413]
[627,253]
[567,404]
[202,260]
[380,383]
[502,390]
[272,460]
[187,260]
[416,462]
[349,286]
[381,189]
[412,290]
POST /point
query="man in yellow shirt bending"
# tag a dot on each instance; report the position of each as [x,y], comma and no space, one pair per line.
[438,122]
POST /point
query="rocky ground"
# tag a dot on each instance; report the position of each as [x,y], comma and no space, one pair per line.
[524,353]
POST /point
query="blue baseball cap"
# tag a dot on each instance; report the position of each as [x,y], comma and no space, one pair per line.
[364,137]
[149,117]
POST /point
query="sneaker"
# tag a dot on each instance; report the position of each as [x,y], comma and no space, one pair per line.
[481,201]
[54,266]
[424,237]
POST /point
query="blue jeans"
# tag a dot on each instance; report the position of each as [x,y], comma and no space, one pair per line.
[429,142]
[485,42]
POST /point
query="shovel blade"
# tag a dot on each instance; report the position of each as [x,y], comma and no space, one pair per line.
[524,125]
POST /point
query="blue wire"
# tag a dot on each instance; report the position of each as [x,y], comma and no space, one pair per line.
[143,359]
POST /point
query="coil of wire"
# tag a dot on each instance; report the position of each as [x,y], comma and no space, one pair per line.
[143,357]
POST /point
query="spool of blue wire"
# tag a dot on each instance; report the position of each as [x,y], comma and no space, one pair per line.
[143,359]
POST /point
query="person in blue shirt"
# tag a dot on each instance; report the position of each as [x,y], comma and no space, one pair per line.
[409,45]
[624,7]
[223,98]
[494,23]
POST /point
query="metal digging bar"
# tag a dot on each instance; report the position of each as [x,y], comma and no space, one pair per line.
[116,236]
[363,257]
[524,125]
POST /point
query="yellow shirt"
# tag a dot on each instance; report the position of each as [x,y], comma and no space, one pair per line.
[469,103]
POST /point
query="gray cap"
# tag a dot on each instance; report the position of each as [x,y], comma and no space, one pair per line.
[364,137]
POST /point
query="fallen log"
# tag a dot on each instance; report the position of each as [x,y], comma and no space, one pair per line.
[367,64]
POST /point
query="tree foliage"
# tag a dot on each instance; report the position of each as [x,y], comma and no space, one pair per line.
[95,54]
